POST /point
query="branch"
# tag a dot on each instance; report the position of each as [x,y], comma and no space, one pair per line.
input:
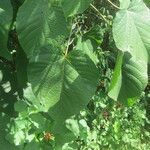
[99,13]
[113,4]
[69,41]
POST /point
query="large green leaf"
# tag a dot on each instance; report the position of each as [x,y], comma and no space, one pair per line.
[67,81]
[75,6]
[6,15]
[131,33]
[129,78]
[131,29]
[38,22]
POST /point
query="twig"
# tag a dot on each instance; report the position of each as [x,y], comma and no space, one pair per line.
[113,4]
[78,26]
[99,13]
[69,41]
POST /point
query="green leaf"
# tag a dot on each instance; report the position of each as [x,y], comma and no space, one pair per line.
[4,144]
[39,121]
[67,81]
[32,145]
[129,79]
[6,16]
[61,139]
[86,47]
[18,133]
[131,34]
[38,22]
[29,96]
[20,106]
[147,2]
[131,30]
[75,6]
[72,125]
[95,35]
[124,4]
[117,78]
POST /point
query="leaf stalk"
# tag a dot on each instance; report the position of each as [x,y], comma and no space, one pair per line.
[115,6]
[99,13]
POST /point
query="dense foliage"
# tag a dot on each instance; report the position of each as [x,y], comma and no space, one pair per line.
[74,74]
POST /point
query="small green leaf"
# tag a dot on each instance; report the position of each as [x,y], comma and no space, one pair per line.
[73,126]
